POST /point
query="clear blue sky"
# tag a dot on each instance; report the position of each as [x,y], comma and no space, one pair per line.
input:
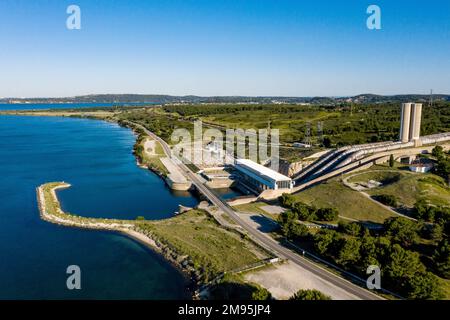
[224,47]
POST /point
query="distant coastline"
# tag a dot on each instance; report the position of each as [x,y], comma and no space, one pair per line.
[149,99]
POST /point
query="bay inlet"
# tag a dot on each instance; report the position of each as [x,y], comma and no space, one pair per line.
[96,157]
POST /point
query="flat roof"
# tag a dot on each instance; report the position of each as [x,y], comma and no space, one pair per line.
[264,171]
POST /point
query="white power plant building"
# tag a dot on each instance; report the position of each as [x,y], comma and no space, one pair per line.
[261,178]
[410,122]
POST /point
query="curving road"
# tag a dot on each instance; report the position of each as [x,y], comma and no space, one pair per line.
[266,242]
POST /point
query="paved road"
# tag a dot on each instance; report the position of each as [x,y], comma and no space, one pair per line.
[264,241]
[281,251]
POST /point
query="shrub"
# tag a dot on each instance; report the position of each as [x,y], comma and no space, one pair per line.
[352,228]
[387,199]
[327,214]
[261,294]
[309,295]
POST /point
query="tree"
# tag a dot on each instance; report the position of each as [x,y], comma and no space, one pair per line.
[323,240]
[441,258]
[443,168]
[261,294]
[437,152]
[287,216]
[287,200]
[443,163]
[348,251]
[299,231]
[327,214]
[294,230]
[433,232]
[424,211]
[383,248]
[303,211]
[387,199]
[402,230]
[352,228]
[391,161]
[327,142]
[368,252]
[286,229]
[424,286]
[442,215]
[309,295]
[402,266]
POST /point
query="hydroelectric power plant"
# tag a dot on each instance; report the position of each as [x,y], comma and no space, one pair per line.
[359,157]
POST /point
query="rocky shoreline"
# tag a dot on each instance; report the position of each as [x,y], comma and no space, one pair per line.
[126,228]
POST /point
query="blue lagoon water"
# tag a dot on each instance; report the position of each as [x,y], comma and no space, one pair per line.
[95,157]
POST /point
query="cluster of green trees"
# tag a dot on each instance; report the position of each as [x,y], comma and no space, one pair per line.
[443,163]
[354,248]
[300,211]
[342,124]
[211,109]
[402,270]
[291,228]
[162,125]
[441,259]
[432,213]
[138,149]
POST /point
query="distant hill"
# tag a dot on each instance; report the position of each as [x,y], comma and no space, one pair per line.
[373,98]
[165,99]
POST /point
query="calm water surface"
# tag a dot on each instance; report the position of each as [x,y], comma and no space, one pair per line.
[95,157]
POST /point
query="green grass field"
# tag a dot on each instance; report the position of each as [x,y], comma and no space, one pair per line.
[350,204]
[255,207]
[210,247]
[154,161]
[291,126]
[408,187]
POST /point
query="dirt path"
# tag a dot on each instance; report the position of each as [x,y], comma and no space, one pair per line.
[286,279]
[368,196]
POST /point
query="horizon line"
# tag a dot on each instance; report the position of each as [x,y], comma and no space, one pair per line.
[227,96]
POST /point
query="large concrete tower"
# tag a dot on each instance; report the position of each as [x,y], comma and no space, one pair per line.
[416,120]
[405,122]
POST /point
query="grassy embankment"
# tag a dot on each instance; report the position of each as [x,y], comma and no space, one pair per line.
[254,207]
[202,244]
[333,194]
[406,186]
[194,240]
[151,158]
[350,204]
